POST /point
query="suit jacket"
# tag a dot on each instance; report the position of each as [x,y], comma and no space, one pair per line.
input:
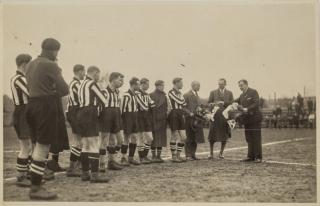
[226,97]
[192,100]
[250,100]
[197,135]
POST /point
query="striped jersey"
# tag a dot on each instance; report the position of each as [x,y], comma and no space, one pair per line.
[112,96]
[73,99]
[176,98]
[19,89]
[90,94]
[129,102]
[144,101]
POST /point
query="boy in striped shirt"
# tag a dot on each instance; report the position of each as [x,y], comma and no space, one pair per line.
[177,121]
[87,117]
[71,114]
[130,123]
[111,123]
[145,104]
[20,96]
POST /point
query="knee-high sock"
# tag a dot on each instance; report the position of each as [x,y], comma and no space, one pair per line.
[140,151]
[194,148]
[55,157]
[132,149]
[179,148]
[159,150]
[22,166]
[124,149]
[94,161]
[36,172]
[146,149]
[102,156]
[117,148]
[75,153]
[173,148]
[111,151]
[85,161]
[153,151]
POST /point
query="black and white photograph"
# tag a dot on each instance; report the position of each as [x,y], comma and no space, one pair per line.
[173,101]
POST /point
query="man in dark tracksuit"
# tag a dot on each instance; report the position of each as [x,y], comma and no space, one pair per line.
[252,117]
[46,87]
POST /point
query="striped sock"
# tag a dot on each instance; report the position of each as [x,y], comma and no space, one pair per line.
[94,161]
[146,149]
[29,162]
[153,151]
[141,151]
[179,148]
[85,161]
[75,153]
[22,165]
[36,172]
[173,148]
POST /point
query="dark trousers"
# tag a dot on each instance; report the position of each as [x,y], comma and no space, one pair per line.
[191,148]
[253,139]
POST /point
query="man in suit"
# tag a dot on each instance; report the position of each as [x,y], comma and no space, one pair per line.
[194,134]
[219,129]
[252,117]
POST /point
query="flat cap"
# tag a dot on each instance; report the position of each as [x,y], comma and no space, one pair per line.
[176,80]
[23,58]
[50,44]
[158,82]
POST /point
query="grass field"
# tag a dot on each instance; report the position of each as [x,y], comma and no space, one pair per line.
[287,175]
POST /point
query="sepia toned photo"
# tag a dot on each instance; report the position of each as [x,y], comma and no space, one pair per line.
[159,101]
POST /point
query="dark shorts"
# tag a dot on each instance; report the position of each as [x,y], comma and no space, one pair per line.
[20,122]
[110,120]
[43,119]
[71,115]
[177,120]
[145,121]
[130,123]
[88,121]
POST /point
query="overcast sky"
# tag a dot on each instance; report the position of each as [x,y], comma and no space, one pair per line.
[270,45]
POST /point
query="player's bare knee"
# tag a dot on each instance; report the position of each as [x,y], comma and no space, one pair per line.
[40,152]
[148,137]
[25,148]
[112,140]
[134,138]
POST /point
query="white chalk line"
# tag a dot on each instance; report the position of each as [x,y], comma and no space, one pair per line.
[228,149]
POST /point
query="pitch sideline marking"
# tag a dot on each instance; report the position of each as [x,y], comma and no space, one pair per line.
[228,149]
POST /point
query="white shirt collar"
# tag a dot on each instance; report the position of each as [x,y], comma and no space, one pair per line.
[222,90]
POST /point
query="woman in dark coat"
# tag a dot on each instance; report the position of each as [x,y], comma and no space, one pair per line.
[219,132]
[219,129]
[159,120]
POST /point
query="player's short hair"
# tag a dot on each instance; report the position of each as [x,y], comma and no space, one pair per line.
[176,80]
[23,58]
[92,69]
[158,83]
[115,75]
[243,81]
[133,80]
[224,80]
[77,68]
[144,80]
